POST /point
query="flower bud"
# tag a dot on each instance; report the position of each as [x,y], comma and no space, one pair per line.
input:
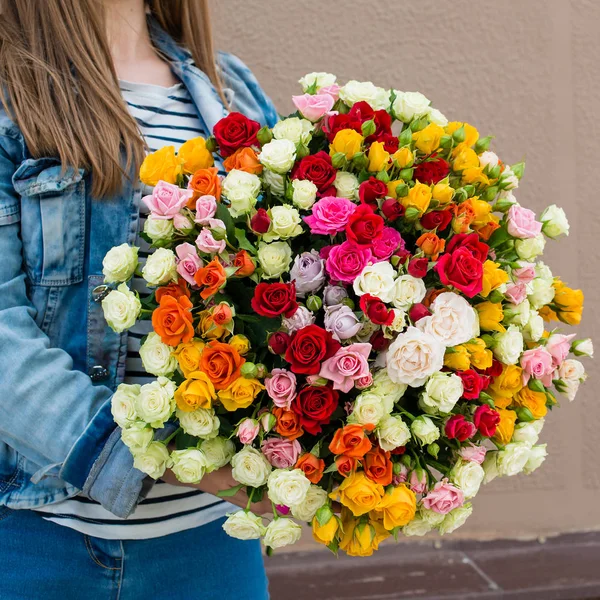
[446,142]
[264,135]
[211,144]
[518,169]
[494,172]
[536,385]
[412,213]
[249,370]
[368,128]
[267,421]
[483,144]
[459,135]
[348,302]
[402,190]
[490,193]
[339,160]
[314,303]
[360,161]
[524,414]
[583,348]
[433,449]
[470,189]
[278,342]
[262,370]
[460,195]
[405,138]
[260,222]
[407,174]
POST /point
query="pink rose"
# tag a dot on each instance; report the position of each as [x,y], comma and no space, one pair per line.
[166,200]
[330,215]
[364,382]
[443,498]
[516,293]
[558,346]
[345,262]
[525,274]
[313,107]
[247,430]
[207,243]
[281,453]
[346,366]
[281,387]
[402,477]
[182,222]
[418,481]
[389,241]
[206,208]
[522,223]
[538,363]
[188,262]
[473,453]
[332,90]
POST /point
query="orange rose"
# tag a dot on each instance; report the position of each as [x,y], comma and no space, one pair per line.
[464,215]
[431,244]
[378,466]
[221,363]
[486,231]
[222,314]
[243,159]
[211,277]
[311,466]
[205,182]
[431,295]
[345,465]
[207,327]
[172,320]
[173,289]
[288,423]
[244,263]
[351,441]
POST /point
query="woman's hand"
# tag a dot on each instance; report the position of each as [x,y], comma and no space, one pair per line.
[222,480]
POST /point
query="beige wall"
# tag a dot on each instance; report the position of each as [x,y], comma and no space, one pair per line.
[527,71]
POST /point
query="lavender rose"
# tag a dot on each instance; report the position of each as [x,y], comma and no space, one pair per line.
[308,272]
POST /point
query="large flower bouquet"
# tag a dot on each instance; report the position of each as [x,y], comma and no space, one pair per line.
[353,316]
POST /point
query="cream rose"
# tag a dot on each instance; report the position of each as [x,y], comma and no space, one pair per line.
[468,476]
[157,357]
[410,105]
[202,422]
[318,79]
[306,510]
[408,290]
[417,527]
[385,387]
[424,430]
[368,408]
[356,91]
[122,404]
[120,263]
[244,525]
[536,457]
[508,345]
[285,223]
[287,487]
[455,518]
[392,432]
[275,182]
[530,248]
[121,308]
[297,131]
[189,465]
[250,467]
[152,460]
[137,436]
[442,391]
[304,193]
[242,190]
[159,229]
[377,280]
[346,185]
[534,328]
[554,222]
[155,403]
[274,259]
[278,155]
[528,432]
[436,117]
[282,532]
[490,466]
[218,452]
[513,458]
[160,267]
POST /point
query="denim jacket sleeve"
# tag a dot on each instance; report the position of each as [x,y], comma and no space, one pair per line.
[50,413]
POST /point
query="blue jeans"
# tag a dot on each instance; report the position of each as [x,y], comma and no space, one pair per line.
[39,559]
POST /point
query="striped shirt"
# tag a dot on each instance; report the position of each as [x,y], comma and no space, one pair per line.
[166,117]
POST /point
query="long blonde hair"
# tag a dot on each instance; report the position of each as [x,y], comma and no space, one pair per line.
[60,86]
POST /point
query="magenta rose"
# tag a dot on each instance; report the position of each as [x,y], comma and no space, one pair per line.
[188,262]
[330,215]
[281,453]
[443,498]
[521,223]
[387,243]
[281,387]
[346,366]
[166,200]
[346,261]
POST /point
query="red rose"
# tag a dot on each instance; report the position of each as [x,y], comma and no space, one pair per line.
[417,267]
[364,225]
[403,254]
[399,450]
[462,270]
[486,420]
[471,242]
[379,341]
[431,171]
[335,123]
[370,190]
[457,427]
[318,169]
[275,299]
[235,131]
[473,383]
[279,342]
[376,310]
[390,142]
[308,347]
[392,209]
[418,311]
[492,371]
[260,222]
[315,405]
[436,219]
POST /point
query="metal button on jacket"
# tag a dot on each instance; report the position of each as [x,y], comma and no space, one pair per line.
[100,292]
[98,373]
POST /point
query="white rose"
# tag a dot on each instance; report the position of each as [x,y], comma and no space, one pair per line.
[468,476]
[410,105]
[297,131]
[509,180]
[300,319]
[275,182]
[554,222]
[121,308]
[160,267]
[346,185]
[202,422]
[543,271]
[250,467]
[152,460]
[455,518]
[120,263]
[285,223]
[536,457]
[488,159]
[534,328]
[155,402]
[218,452]
[137,436]
[432,517]
[318,79]
[528,432]
[157,357]
[306,510]
[282,532]
[368,408]
[304,193]
[356,91]
[274,259]
[508,346]
[189,465]
[442,391]
[122,404]
[408,290]
[452,322]
[513,458]
[287,487]
[417,527]
[424,430]
[278,155]
[241,189]
[436,117]
[244,525]
[517,314]
[159,229]
[398,324]
[490,466]
[392,432]
[583,347]
[530,248]
[572,369]
[377,280]
[413,356]
[540,292]
[385,387]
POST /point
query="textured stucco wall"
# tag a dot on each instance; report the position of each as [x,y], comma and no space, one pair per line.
[527,71]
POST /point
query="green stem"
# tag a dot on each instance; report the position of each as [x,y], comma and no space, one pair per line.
[250,499]
[167,440]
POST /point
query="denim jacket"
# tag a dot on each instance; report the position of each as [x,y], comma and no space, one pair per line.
[60,363]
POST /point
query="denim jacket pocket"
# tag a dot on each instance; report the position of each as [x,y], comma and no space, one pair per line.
[52,221]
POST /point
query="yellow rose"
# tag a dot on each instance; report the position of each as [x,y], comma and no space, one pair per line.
[195,155]
[240,343]
[419,197]
[480,356]
[475,175]
[379,159]
[188,355]
[428,139]
[397,507]
[207,327]
[481,210]
[506,385]
[443,192]
[240,394]
[490,316]
[358,493]
[392,185]
[404,157]
[360,536]
[161,165]
[325,534]
[464,158]
[493,277]
[197,391]
[457,358]
[568,302]
[506,427]
[346,141]
[534,401]
[471,134]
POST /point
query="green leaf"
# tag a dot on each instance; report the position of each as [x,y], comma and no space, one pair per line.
[230,492]
[240,236]
[225,216]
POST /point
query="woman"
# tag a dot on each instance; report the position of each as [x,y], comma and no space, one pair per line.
[88,87]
